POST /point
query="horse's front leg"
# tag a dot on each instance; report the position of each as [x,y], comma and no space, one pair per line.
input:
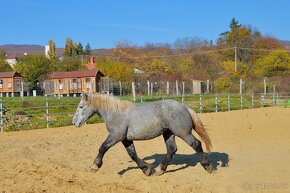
[146,168]
[108,143]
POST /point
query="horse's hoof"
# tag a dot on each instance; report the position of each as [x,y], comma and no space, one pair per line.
[149,171]
[94,168]
[209,168]
[159,172]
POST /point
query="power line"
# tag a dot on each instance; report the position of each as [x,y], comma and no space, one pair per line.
[182,54]
[193,53]
[172,55]
[263,50]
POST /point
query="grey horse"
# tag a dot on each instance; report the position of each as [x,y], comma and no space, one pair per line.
[126,122]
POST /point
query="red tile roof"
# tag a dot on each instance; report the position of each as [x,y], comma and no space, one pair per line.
[9,74]
[75,74]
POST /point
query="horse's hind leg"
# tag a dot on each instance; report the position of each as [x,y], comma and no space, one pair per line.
[196,145]
[146,168]
[169,139]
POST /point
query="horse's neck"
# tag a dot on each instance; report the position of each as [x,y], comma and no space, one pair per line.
[107,115]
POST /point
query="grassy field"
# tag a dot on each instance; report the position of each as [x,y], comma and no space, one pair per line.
[30,112]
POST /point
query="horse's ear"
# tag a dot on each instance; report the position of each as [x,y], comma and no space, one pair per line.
[84,96]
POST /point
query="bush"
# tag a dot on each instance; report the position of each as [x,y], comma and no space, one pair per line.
[222,84]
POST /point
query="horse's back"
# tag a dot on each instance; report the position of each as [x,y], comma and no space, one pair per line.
[149,120]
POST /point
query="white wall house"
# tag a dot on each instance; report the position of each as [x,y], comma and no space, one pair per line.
[11,62]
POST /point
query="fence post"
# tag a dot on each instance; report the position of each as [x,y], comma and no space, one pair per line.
[265,86]
[182,88]
[200,104]
[241,101]
[133,92]
[22,89]
[47,115]
[207,86]
[176,84]
[273,99]
[120,84]
[216,103]
[241,86]
[252,100]
[182,99]
[277,98]
[229,102]
[151,89]
[262,100]
[148,87]
[192,86]
[167,88]
[141,99]
[1,114]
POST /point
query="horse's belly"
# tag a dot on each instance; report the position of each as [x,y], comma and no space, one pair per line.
[144,132]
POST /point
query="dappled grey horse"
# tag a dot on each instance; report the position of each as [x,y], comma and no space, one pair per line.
[126,122]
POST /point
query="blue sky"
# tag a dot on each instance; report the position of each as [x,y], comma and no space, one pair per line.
[103,23]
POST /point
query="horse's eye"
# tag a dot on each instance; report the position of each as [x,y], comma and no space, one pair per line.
[81,107]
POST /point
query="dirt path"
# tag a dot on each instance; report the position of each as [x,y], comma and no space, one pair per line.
[256,144]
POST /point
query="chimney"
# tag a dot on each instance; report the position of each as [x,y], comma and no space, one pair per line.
[91,64]
[92,60]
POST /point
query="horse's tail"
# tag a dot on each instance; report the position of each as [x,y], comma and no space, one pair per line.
[200,130]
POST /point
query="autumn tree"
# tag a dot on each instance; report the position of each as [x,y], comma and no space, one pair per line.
[264,43]
[117,70]
[4,66]
[69,64]
[68,50]
[75,49]
[51,51]
[276,63]
[239,36]
[188,44]
[34,68]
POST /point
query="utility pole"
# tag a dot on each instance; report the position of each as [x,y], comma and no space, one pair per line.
[236,66]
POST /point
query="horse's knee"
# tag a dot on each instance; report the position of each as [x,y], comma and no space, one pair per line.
[173,148]
[197,146]
[194,143]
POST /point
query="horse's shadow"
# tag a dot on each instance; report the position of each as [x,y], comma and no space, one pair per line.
[186,161]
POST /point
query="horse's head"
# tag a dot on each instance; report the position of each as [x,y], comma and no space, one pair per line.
[83,112]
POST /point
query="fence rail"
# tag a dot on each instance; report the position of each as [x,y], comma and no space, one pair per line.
[51,112]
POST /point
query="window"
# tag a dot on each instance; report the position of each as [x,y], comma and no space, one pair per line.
[60,84]
[75,85]
[1,83]
[9,83]
[17,84]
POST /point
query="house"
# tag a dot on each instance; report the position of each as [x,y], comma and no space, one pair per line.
[76,82]
[12,59]
[10,83]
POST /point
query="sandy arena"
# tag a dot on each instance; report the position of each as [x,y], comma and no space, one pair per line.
[255,144]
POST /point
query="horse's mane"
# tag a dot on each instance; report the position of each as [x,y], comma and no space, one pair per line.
[108,103]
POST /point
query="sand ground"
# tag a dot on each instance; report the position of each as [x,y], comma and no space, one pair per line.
[254,143]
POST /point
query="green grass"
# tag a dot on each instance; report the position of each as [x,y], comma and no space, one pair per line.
[30,113]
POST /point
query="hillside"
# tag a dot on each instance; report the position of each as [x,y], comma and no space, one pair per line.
[14,49]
